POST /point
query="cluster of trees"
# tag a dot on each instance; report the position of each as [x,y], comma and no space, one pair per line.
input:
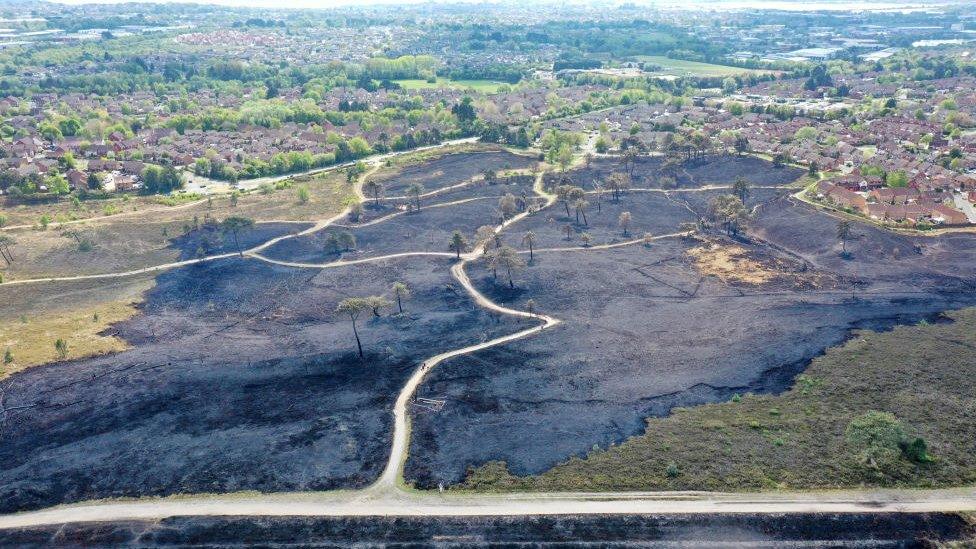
[298,161]
[729,211]
[353,308]
[161,180]
[558,147]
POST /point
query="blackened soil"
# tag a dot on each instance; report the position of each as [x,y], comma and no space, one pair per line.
[863,530]
[210,239]
[241,377]
[451,169]
[427,230]
[711,170]
[517,185]
[644,333]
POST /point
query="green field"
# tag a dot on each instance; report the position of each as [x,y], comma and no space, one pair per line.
[680,67]
[481,86]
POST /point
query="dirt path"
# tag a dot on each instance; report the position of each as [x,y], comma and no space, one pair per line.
[344,263]
[155,268]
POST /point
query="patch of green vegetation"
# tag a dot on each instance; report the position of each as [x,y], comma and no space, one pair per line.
[680,67]
[177,199]
[481,86]
[885,409]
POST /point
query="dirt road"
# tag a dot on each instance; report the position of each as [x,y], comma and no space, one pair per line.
[403,503]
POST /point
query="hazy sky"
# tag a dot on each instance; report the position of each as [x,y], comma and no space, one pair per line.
[707,4]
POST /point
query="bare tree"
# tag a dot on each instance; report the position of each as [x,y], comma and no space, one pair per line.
[844,233]
[562,193]
[580,205]
[630,161]
[5,243]
[569,231]
[528,239]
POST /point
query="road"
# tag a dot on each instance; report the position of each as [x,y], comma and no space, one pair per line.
[963,203]
[404,503]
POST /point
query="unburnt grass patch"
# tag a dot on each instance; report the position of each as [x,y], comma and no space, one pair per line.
[923,375]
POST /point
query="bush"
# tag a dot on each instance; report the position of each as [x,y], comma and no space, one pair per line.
[672,471]
[877,438]
[916,451]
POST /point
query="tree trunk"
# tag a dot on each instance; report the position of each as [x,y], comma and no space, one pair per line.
[510,283]
[399,304]
[238,244]
[359,344]
[566,204]
[585,222]
[530,252]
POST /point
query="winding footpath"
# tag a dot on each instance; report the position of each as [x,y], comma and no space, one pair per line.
[389,496]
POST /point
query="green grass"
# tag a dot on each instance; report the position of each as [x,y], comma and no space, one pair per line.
[679,67]
[925,375]
[480,86]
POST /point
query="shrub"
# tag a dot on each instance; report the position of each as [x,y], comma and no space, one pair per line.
[61,347]
[672,471]
[876,437]
[916,451]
